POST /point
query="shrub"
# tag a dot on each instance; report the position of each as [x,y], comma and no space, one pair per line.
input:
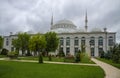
[4,51]
[116,57]
[13,55]
[102,53]
[50,57]
[77,57]
[61,54]
[108,55]
[69,58]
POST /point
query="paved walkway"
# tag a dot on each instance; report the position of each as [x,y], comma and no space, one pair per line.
[7,59]
[110,71]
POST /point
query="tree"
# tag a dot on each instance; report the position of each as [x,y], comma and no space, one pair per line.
[52,42]
[1,42]
[23,40]
[38,44]
[116,53]
[16,44]
[82,47]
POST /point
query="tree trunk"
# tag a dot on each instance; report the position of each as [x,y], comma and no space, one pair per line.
[40,57]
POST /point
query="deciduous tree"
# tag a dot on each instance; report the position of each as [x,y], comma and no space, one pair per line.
[1,42]
[52,41]
[38,44]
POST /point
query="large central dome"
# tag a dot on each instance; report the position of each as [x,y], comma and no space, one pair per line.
[64,24]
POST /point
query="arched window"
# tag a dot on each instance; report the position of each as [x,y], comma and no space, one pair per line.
[100,41]
[92,41]
[76,41]
[83,41]
[83,44]
[110,41]
[68,41]
[61,41]
[67,50]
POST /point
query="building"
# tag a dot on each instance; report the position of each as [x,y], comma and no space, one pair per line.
[73,39]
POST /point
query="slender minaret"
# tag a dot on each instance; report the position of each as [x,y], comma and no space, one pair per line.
[52,21]
[86,21]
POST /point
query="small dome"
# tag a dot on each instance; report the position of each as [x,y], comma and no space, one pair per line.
[80,30]
[96,30]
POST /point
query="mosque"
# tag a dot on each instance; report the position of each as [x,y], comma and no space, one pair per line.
[72,39]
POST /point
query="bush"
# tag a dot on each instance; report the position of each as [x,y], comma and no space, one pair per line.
[78,57]
[102,54]
[116,57]
[108,55]
[13,55]
[69,58]
[4,51]
[61,54]
[49,57]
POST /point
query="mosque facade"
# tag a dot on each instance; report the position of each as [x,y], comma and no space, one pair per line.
[73,39]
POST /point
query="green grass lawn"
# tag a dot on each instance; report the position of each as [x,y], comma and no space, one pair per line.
[109,62]
[11,69]
[57,59]
[2,56]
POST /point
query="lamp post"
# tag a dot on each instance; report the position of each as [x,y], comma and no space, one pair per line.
[90,47]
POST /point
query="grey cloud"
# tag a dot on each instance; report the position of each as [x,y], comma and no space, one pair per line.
[35,15]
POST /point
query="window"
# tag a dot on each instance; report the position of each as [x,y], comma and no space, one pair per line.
[68,41]
[67,50]
[61,41]
[110,41]
[100,41]
[12,48]
[7,42]
[61,49]
[83,41]
[100,50]
[76,41]
[76,49]
[83,44]
[92,41]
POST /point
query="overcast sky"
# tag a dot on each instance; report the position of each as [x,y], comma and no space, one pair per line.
[35,15]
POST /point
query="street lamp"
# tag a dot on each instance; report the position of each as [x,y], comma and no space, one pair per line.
[90,43]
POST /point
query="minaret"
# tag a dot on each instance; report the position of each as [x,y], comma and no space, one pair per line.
[52,21]
[86,21]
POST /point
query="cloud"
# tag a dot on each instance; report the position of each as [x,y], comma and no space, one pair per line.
[35,15]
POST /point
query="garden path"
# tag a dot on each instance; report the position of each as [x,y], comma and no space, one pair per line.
[110,71]
[7,59]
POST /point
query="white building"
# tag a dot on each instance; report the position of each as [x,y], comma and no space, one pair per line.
[72,39]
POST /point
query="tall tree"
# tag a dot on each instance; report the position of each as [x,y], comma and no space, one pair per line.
[16,44]
[23,39]
[1,42]
[38,44]
[52,41]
